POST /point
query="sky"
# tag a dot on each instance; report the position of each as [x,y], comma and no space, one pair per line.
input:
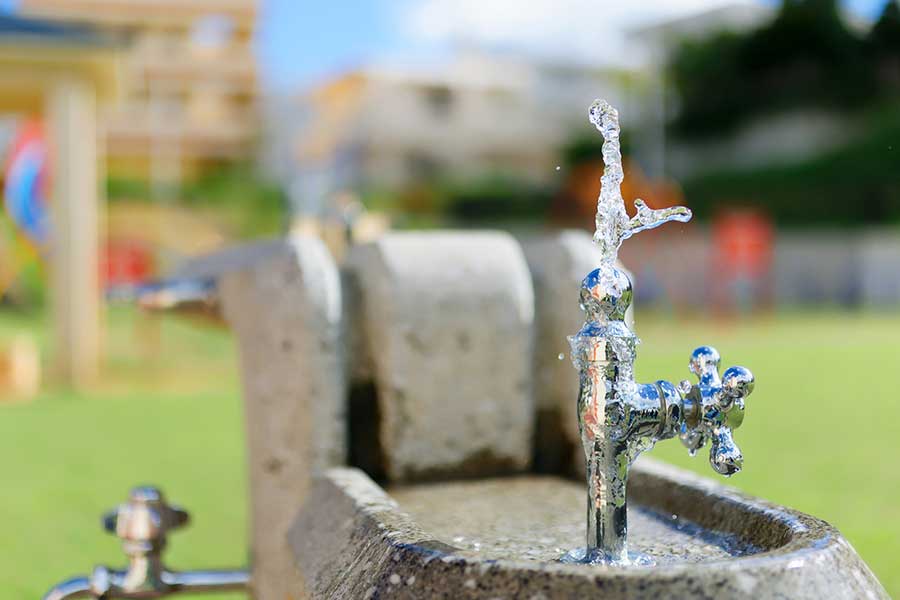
[303,41]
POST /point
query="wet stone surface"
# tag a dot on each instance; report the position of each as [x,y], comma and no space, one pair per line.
[541,518]
[499,538]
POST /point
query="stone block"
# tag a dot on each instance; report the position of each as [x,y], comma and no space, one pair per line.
[446,319]
[285,309]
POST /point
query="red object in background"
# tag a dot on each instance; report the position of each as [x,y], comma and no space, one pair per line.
[127,262]
[743,244]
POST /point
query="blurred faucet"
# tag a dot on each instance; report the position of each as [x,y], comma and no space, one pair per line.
[142,524]
[195,298]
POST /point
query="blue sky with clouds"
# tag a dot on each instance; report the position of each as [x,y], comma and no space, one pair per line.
[301,41]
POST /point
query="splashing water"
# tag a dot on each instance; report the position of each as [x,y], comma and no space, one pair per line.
[613,224]
[603,351]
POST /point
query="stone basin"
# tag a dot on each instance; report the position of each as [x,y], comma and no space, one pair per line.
[500,538]
[444,384]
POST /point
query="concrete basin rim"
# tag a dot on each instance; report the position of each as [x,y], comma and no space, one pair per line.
[811,539]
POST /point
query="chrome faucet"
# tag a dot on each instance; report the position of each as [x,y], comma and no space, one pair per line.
[619,418]
[143,524]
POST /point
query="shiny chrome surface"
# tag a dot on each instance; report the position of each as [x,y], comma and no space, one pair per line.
[619,418]
[714,408]
[143,524]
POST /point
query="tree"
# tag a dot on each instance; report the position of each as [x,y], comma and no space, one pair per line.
[883,45]
[805,56]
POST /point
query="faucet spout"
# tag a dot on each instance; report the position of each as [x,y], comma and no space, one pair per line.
[77,587]
[210,581]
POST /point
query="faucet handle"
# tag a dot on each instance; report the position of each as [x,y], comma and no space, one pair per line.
[737,384]
[144,521]
[714,408]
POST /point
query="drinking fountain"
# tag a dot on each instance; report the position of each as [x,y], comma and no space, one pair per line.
[412,432]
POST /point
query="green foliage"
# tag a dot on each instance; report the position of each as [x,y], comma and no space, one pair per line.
[237,191]
[259,207]
[28,287]
[858,183]
[496,199]
[589,147]
[711,90]
[805,57]
[491,200]
[884,39]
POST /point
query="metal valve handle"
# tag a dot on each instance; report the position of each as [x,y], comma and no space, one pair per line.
[144,521]
[714,408]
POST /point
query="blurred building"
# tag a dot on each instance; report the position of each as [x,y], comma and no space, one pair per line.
[387,127]
[189,97]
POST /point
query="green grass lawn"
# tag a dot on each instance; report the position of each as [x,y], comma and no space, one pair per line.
[169,414]
[822,429]
[822,434]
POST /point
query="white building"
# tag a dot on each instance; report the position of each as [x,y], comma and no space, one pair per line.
[387,127]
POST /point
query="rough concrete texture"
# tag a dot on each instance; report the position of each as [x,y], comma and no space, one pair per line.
[542,518]
[558,263]
[352,540]
[285,310]
[447,321]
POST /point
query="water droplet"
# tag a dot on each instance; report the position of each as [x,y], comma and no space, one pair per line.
[558,167]
[560,356]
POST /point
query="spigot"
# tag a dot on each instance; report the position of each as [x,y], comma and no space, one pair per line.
[143,524]
[620,418]
[714,408]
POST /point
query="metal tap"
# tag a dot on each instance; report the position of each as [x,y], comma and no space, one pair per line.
[619,418]
[143,524]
